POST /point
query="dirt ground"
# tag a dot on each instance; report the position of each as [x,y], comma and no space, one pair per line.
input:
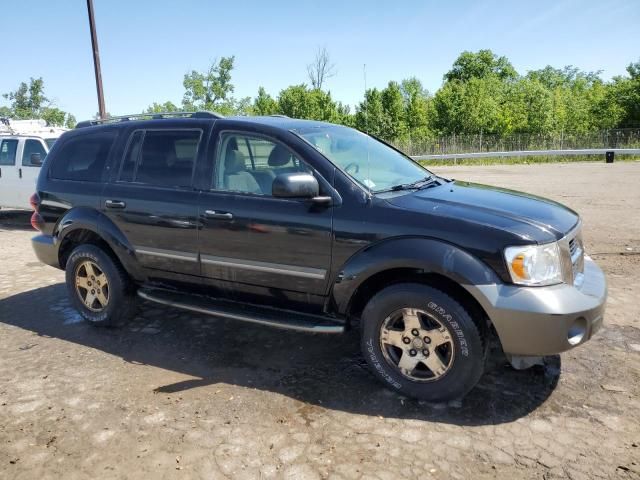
[177,395]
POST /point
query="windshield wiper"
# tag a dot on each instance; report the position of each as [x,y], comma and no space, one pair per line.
[417,185]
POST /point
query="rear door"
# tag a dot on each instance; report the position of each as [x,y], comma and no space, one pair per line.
[151,198]
[9,181]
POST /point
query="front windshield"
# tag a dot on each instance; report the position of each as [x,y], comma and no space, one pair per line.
[371,163]
[50,142]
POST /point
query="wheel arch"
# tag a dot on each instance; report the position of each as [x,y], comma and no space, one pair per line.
[87,226]
[410,259]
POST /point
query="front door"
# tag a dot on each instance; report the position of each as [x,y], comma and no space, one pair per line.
[253,243]
[152,201]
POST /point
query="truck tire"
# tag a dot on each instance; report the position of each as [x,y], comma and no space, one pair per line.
[98,287]
[422,343]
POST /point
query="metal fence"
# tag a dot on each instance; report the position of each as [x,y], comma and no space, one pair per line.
[459,144]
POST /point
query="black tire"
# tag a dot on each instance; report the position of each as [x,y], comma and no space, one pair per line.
[464,348]
[121,303]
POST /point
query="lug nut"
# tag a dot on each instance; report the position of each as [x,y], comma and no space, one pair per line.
[93,292]
[406,340]
[427,340]
[412,352]
[415,332]
[425,352]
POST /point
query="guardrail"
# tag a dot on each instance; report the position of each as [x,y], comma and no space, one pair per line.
[608,152]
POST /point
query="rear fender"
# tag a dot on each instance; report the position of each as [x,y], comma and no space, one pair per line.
[83,218]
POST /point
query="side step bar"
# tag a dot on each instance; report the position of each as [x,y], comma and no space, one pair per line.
[247,313]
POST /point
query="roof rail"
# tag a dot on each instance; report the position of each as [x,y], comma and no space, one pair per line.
[279,115]
[148,116]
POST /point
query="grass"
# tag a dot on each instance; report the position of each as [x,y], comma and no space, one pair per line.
[526,160]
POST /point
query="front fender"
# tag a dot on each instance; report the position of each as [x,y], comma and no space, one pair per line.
[428,255]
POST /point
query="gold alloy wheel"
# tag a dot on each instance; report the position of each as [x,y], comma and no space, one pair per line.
[92,286]
[417,344]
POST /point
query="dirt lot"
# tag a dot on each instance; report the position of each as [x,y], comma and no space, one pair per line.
[178,395]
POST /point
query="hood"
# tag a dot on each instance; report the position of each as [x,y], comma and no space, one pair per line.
[530,217]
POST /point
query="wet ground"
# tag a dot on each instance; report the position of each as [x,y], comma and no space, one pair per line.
[177,395]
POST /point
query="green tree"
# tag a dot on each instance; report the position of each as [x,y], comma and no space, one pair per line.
[167,106]
[209,90]
[29,102]
[394,126]
[480,64]
[370,113]
[469,107]
[264,104]
[298,101]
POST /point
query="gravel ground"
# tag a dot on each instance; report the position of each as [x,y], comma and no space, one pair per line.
[177,395]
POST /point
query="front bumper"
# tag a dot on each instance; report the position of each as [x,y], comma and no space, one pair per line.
[46,249]
[536,321]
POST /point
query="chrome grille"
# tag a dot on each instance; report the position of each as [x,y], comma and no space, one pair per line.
[573,247]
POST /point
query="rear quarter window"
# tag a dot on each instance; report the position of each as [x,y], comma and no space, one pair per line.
[82,158]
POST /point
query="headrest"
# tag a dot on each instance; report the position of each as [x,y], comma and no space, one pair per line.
[234,162]
[279,156]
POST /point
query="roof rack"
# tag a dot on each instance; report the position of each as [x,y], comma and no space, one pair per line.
[148,116]
[279,115]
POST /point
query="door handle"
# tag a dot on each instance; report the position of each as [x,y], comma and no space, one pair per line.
[115,204]
[218,215]
[20,173]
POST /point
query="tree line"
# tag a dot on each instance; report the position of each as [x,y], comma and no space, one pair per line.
[482,93]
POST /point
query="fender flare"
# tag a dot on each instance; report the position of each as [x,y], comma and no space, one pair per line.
[426,254]
[85,218]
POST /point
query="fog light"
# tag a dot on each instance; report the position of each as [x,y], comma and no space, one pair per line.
[577,331]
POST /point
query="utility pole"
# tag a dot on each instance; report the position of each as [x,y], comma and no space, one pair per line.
[96,60]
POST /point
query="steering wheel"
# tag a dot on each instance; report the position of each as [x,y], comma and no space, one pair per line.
[354,166]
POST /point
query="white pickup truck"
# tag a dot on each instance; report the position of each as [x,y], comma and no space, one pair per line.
[23,146]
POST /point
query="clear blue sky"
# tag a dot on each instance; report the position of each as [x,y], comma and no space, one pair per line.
[147,46]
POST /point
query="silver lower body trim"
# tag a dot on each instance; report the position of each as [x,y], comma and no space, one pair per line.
[304,272]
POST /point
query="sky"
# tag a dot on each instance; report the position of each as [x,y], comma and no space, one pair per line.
[146,46]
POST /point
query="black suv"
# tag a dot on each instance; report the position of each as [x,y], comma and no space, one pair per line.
[317,227]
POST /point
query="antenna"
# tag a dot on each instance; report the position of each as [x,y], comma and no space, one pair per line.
[366,100]
[366,129]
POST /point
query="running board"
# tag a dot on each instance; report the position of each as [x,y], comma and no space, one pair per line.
[271,317]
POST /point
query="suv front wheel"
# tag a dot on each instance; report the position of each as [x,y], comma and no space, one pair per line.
[421,342]
[98,287]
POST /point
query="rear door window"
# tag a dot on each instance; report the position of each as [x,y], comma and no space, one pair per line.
[32,150]
[82,158]
[8,150]
[163,158]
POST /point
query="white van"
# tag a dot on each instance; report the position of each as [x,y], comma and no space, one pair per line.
[23,146]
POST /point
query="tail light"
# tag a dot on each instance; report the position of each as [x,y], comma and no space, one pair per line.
[37,221]
[34,201]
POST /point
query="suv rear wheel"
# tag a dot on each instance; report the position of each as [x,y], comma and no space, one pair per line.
[422,342]
[98,287]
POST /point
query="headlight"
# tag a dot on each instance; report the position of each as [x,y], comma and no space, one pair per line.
[534,264]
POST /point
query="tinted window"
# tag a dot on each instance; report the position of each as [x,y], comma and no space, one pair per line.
[35,148]
[249,164]
[8,152]
[83,157]
[130,158]
[166,159]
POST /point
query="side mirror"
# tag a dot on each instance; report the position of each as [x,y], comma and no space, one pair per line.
[36,159]
[295,185]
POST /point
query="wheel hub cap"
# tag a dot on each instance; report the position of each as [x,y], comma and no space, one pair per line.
[417,344]
[92,286]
